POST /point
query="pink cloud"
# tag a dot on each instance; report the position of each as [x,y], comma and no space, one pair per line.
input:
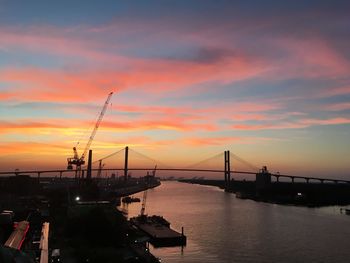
[330,92]
[153,109]
[303,123]
[55,40]
[179,124]
[333,121]
[310,58]
[214,141]
[155,76]
[337,106]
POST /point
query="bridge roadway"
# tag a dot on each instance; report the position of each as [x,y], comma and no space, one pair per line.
[276,175]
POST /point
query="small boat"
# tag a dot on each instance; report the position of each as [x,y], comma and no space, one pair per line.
[129,199]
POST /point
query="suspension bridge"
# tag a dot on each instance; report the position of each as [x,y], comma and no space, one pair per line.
[127,160]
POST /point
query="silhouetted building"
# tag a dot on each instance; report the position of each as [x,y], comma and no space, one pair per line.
[263,179]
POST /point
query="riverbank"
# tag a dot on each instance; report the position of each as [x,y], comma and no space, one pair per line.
[301,194]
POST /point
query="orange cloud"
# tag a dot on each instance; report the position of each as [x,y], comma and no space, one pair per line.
[6,95]
[76,127]
[36,148]
[51,127]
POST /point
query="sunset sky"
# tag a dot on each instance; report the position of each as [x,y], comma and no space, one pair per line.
[268,80]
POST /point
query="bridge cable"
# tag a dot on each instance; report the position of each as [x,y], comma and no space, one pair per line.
[108,156]
[236,157]
[205,160]
[149,158]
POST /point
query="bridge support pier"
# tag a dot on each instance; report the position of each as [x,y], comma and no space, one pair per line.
[126,163]
[227,170]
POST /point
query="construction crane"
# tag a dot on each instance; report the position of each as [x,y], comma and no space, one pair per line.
[144,198]
[79,161]
[143,207]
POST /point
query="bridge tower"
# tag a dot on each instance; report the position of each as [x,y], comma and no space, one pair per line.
[227,170]
[126,163]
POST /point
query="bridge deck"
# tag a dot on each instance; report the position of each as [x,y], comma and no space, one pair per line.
[40,172]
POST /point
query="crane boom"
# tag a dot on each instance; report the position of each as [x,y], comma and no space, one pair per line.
[87,147]
[79,161]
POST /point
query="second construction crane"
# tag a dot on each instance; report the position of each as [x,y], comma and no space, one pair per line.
[144,198]
[79,161]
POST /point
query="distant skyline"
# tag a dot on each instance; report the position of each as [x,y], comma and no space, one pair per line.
[268,80]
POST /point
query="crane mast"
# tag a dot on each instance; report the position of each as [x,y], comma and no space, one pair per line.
[79,161]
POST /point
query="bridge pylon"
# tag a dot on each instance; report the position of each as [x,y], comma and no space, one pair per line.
[126,163]
[227,170]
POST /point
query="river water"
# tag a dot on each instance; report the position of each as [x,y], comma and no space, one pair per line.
[222,228]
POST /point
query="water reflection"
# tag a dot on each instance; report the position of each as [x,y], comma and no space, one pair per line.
[221,228]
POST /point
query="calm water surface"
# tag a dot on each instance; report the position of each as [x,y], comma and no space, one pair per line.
[222,228]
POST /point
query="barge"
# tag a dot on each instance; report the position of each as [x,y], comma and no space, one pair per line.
[130,199]
[157,228]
